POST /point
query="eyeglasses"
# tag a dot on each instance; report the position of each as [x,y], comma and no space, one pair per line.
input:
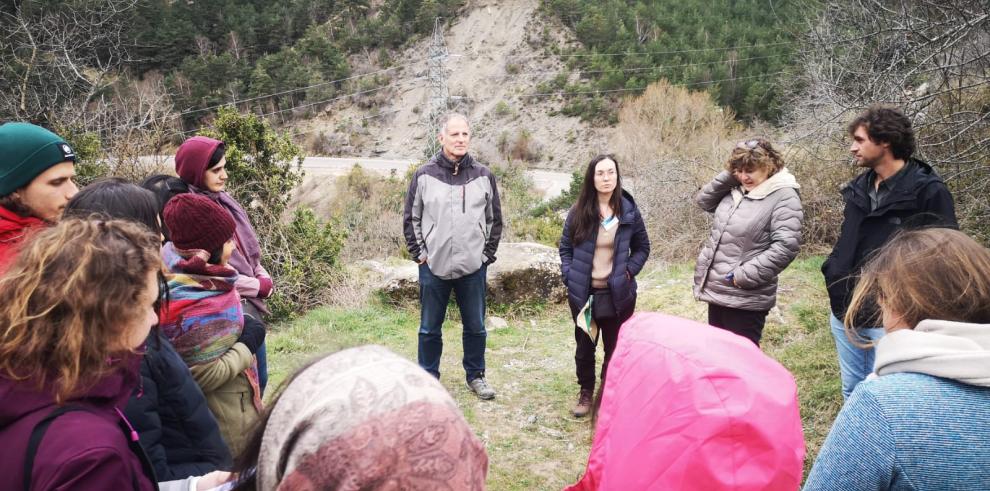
[748,144]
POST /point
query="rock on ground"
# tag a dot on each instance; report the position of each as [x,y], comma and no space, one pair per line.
[524,272]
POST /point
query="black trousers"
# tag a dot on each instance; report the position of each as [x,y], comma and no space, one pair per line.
[746,323]
[584,354]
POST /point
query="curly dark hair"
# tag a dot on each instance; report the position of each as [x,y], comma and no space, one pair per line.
[885,124]
[755,154]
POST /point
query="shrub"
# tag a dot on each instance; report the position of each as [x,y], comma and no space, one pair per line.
[545,228]
[671,141]
[264,169]
[502,109]
[370,209]
[520,146]
[304,258]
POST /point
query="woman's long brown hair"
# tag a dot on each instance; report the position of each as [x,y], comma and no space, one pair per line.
[586,215]
[68,299]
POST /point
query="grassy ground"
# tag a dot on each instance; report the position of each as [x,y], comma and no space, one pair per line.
[532,441]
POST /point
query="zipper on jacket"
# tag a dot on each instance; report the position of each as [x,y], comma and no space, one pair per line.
[464,199]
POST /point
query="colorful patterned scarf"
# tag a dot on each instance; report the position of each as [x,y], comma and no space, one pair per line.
[203,318]
[366,418]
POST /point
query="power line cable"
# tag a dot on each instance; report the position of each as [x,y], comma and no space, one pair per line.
[657,67]
[373,116]
[634,53]
[343,96]
[630,89]
[275,94]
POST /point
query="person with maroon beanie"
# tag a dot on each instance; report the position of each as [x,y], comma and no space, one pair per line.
[204,320]
[201,164]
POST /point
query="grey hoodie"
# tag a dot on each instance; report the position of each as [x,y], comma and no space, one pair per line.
[452,217]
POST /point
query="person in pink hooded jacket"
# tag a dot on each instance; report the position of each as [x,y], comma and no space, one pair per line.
[691,407]
[201,163]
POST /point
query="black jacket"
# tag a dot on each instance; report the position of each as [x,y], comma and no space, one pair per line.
[632,248]
[169,412]
[918,199]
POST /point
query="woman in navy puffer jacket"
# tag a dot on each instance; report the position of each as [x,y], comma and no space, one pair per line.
[603,247]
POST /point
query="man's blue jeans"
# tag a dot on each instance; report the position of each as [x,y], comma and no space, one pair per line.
[855,363]
[434,293]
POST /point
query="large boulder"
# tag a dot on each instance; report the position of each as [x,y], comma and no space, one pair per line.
[524,272]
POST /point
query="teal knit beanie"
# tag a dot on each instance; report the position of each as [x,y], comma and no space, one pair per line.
[27,150]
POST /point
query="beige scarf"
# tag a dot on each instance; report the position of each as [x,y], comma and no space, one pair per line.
[952,350]
[780,180]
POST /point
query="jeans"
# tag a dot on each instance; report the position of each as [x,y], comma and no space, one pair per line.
[855,363]
[434,293]
[261,355]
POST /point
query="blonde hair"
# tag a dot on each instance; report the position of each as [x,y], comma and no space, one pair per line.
[932,273]
[754,154]
[66,302]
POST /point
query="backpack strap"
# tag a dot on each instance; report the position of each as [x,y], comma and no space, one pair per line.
[35,440]
[42,427]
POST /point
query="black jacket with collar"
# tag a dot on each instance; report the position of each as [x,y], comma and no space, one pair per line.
[918,199]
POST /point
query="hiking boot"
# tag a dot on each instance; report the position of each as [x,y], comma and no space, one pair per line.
[480,387]
[583,406]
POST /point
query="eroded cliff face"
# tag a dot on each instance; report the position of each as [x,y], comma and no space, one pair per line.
[498,56]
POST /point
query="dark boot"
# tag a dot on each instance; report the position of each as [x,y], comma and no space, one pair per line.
[583,406]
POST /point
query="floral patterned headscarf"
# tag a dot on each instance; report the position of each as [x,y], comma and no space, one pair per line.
[366,418]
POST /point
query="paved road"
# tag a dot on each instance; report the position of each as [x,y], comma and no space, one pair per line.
[549,183]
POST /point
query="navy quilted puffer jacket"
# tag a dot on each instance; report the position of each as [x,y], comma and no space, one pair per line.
[632,248]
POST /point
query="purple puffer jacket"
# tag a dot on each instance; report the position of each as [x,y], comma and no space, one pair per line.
[82,450]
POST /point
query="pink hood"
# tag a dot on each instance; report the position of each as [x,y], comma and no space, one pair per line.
[688,406]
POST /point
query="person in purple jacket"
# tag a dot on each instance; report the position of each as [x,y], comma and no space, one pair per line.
[201,163]
[76,307]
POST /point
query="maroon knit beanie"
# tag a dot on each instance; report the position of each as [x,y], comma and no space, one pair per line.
[197,222]
[192,158]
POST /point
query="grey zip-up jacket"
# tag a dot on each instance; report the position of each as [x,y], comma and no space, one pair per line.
[452,217]
[754,236]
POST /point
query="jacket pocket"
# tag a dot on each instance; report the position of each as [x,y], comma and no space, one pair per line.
[426,237]
[484,236]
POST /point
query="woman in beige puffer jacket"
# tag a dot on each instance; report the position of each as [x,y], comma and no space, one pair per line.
[755,234]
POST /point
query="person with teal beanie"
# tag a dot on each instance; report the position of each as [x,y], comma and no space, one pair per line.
[36,172]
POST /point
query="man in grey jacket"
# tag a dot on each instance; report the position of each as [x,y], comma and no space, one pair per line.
[452,225]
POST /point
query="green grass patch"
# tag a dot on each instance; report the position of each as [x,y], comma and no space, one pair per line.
[532,440]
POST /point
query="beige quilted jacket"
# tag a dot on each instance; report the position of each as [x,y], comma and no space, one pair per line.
[754,236]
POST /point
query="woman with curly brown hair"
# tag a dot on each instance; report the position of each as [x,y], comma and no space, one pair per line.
[755,234]
[75,308]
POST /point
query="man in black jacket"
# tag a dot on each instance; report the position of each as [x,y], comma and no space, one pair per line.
[896,192]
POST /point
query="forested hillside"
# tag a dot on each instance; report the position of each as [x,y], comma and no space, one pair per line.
[737,49]
[209,52]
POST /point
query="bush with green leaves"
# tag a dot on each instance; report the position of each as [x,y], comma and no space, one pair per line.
[301,252]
